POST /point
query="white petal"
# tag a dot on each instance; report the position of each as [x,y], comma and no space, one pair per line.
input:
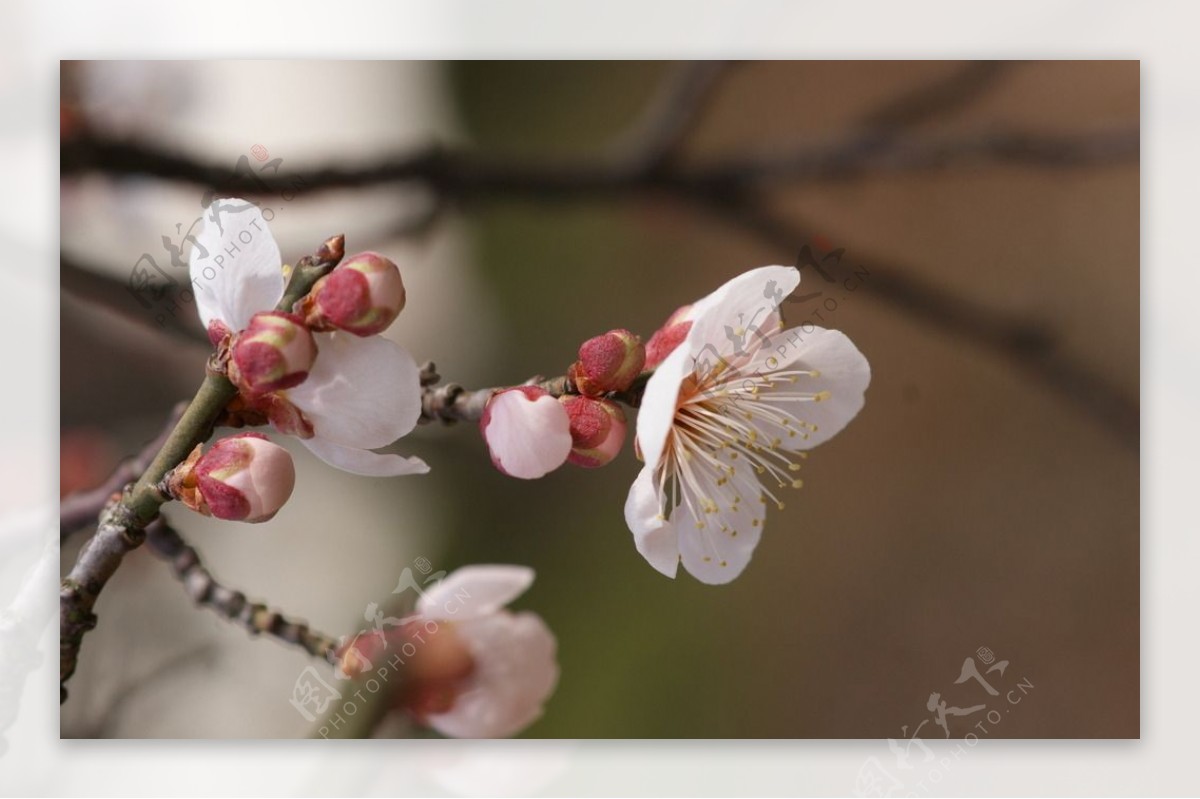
[656,414]
[654,537]
[842,370]
[718,551]
[362,392]
[234,264]
[474,591]
[363,461]
[528,436]
[515,672]
[727,322]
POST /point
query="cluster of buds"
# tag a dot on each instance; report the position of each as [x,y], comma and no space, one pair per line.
[242,478]
[276,351]
[247,478]
[530,433]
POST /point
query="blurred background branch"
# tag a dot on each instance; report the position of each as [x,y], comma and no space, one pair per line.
[647,160]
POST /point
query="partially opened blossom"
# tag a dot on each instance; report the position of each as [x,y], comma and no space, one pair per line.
[724,418]
[274,352]
[241,478]
[360,394]
[363,296]
[527,431]
[470,668]
[515,665]
[609,362]
[597,430]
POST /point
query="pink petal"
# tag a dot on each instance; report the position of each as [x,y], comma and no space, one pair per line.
[474,591]
[234,264]
[527,432]
[363,461]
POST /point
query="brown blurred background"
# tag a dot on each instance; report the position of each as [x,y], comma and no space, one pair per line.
[987,496]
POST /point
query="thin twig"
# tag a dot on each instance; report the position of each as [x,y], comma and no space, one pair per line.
[255,618]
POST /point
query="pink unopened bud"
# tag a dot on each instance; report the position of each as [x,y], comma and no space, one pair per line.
[242,478]
[668,337]
[274,352]
[527,432]
[609,362]
[597,430]
[362,296]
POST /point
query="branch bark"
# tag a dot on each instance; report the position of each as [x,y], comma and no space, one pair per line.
[255,618]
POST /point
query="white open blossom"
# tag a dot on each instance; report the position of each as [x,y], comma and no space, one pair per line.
[726,416]
[361,394]
[515,666]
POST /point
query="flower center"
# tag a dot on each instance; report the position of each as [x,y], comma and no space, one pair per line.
[727,440]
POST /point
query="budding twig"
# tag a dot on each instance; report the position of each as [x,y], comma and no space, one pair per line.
[123,522]
[254,617]
[452,403]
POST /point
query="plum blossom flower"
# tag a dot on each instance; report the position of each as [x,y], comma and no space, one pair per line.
[724,418]
[361,393]
[471,668]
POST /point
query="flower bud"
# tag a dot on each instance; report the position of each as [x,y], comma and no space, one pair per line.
[274,352]
[668,337]
[242,478]
[527,432]
[597,430]
[609,362]
[362,296]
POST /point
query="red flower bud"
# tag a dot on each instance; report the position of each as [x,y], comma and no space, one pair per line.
[609,362]
[668,337]
[242,478]
[274,352]
[597,430]
[363,296]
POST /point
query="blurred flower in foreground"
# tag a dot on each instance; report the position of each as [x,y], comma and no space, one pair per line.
[361,392]
[242,478]
[471,669]
[723,417]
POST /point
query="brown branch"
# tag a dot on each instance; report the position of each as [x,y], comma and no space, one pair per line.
[451,403]
[936,98]
[461,174]
[79,510]
[660,130]
[90,284]
[123,521]
[1024,342]
[255,618]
